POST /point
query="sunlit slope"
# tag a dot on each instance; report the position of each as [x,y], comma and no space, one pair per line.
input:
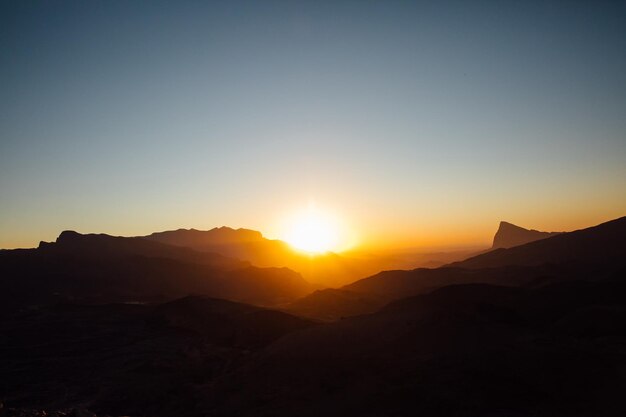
[327,269]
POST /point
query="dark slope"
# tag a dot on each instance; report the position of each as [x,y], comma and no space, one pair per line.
[393,285]
[460,351]
[129,359]
[590,254]
[101,269]
[369,294]
[333,304]
[509,235]
[227,323]
[605,243]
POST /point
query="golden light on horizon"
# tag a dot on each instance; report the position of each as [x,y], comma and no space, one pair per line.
[315,231]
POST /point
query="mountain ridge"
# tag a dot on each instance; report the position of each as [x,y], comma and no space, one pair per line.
[604,242]
[509,235]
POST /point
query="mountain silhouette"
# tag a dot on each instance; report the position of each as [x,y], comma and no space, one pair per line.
[463,350]
[104,269]
[331,304]
[604,243]
[594,252]
[509,235]
[102,246]
[327,269]
[129,326]
[228,323]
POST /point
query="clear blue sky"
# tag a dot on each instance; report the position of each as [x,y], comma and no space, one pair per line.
[413,120]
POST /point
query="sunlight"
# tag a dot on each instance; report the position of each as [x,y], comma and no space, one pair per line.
[314,231]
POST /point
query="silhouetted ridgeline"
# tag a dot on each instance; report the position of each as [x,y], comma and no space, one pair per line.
[509,235]
[101,268]
[600,244]
[328,269]
[470,350]
[537,330]
[589,254]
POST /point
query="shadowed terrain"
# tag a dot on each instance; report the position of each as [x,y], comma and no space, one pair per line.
[327,269]
[109,325]
[105,269]
[129,359]
[593,253]
[464,350]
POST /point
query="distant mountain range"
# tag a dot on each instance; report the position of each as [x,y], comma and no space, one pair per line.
[134,326]
[328,269]
[595,252]
[102,268]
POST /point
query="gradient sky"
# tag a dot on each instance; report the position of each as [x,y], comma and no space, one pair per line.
[421,123]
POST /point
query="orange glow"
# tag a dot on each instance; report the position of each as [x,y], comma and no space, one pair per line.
[315,231]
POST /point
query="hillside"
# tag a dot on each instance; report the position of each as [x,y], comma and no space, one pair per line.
[104,269]
[604,243]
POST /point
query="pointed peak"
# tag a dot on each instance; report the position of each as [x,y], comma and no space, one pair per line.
[509,235]
[505,224]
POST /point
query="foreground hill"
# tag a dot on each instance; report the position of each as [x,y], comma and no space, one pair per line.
[470,350]
[509,235]
[122,359]
[369,294]
[332,304]
[543,339]
[101,268]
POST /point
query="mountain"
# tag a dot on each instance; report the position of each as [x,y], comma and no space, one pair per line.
[393,285]
[102,246]
[332,304]
[593,253]
[369,294]
[542,338]
[603,244]
[509,235]
[328,269]
[237,243]
[104,269]
[228,323]
[467,350]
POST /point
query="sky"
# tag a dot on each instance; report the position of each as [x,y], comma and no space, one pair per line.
[416,123]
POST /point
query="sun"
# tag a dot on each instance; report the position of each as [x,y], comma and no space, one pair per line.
[314,231]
